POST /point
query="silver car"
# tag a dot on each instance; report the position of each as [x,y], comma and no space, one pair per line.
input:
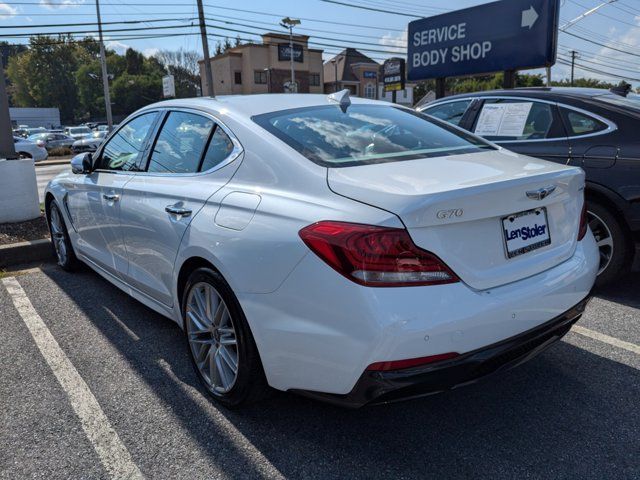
[28,149]
[89,144]
[51,140]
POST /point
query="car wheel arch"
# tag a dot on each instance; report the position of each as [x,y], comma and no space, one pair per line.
[608,199]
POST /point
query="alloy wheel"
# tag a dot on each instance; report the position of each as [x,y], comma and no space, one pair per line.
[604,239]
[58,234]
[212,338]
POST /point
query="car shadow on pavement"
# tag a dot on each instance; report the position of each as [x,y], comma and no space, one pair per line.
[625,291]
[566,413]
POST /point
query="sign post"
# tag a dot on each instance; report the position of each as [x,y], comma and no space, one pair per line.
[393,76]
[168,86]
[501,36]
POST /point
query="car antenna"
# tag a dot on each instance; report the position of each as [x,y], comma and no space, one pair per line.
[341,98]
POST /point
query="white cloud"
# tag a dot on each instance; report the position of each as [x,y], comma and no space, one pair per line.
[398,40]
[60,4]
[150,52]
[7,11]
[119,47]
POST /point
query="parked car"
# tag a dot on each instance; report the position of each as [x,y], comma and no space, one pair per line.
[348,250]
[51,140]
[591,128]
[89,144]
[78,133]
[34,131]
[28,149]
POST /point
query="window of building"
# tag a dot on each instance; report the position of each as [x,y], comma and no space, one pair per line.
[369,90]
[314,79]
[260,77]
[237,78]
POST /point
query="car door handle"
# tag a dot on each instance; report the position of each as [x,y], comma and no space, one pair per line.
[182,212]
[111,197]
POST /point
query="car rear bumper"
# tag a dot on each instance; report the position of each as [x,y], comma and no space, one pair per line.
[390,386]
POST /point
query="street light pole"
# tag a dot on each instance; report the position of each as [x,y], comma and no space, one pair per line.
[103,66]
[290,23]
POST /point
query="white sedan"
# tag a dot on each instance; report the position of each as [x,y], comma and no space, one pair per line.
[28,149]
[348,250]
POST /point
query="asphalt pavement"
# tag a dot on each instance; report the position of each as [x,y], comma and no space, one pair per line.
[94,384]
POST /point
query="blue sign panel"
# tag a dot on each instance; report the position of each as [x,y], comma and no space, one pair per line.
[504,35]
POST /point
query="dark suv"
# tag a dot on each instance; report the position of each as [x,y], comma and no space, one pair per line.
[598,130]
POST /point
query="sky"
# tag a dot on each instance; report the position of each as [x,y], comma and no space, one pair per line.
[615,28]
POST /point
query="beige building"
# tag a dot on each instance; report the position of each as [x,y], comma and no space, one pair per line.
[265,67]
[362,76]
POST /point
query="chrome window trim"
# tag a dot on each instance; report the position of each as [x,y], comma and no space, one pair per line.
[235,153]
[611,126]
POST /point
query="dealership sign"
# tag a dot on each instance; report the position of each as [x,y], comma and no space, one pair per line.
[393,74]
[285,52]
[504,35]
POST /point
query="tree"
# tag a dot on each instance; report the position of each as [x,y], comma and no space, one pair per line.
[226,46]
[218,48]
[44,75]
[131,92]
[134,61]
[183,65]
[238,41]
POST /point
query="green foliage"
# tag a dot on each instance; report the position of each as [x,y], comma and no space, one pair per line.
[131,92]
[60,152]
[63,73]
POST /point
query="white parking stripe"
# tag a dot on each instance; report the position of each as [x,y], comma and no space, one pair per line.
[606,339]
[113,454]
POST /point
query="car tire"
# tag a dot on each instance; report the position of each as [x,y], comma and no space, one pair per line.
[60,239]
[613,243]
[218,336]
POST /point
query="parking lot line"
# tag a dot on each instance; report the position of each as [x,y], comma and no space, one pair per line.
[113,454]
[606,339]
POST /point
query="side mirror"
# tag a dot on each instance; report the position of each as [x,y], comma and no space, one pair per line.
[81,163]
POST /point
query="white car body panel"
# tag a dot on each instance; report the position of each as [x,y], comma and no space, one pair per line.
[314,329]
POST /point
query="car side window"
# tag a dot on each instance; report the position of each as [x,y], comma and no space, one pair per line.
[516,119]
[451,112]
[220,147]
[124,150]
[180,144]
[581,124]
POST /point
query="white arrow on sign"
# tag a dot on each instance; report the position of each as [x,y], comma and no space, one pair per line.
[529,17]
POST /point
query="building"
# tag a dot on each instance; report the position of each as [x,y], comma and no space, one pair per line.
[353,70]
[265,67]
[35,117]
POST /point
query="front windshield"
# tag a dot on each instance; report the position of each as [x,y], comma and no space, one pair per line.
[365,134]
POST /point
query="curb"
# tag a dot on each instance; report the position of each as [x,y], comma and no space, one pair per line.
[48,163]
[25,252]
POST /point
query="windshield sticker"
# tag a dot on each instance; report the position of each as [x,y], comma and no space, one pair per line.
[503,119]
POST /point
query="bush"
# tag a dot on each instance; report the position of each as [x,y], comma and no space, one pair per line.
[60,152]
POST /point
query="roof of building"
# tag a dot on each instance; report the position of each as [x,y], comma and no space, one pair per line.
[349,57]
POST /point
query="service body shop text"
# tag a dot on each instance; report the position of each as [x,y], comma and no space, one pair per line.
[439,55]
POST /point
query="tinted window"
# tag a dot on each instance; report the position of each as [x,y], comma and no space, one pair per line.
[219,148]
[580,124]
[364,134]
[449,112]
[517,120]
[124,150]
[180,144]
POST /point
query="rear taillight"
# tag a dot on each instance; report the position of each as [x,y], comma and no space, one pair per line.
[411,362]
[375,256]
[584,224]
[40,143]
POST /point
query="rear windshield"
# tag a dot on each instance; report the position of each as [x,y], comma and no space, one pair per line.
[631,101]
[366,134]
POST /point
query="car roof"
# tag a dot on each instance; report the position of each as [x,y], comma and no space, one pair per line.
[549,93]
[250,105]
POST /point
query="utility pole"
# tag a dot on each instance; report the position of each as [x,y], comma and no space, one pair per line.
[290,23]
[103,66]
[205,50]
[573,64]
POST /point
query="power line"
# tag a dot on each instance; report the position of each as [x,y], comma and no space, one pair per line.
[601,44]
[372,9]
[50,25]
